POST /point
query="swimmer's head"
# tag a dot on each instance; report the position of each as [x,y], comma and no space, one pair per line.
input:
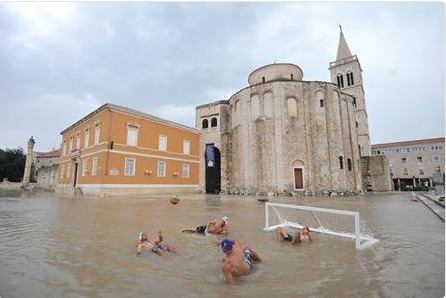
[143,236]
[226,245]
[225,219]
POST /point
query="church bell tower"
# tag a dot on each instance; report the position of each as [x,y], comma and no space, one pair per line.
[346,72]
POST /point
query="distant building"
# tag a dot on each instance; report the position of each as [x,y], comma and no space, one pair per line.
[282,134]
[119,151]
[46,167]
[414,164]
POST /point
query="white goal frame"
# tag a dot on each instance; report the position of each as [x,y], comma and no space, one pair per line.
[362,240]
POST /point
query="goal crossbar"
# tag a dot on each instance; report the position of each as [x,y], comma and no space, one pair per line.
[357,233]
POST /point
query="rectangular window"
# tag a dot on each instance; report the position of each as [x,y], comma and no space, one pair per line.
[132,136]
[94,166]
[129,167]
[186,147]
[403,160]
[186,170]
[405,172]
[161,169]
[436,159]
[68,170]
[84,167]
[419,159]
[421,172]
[97,132]
[78,141]
[163,143]
[87,138]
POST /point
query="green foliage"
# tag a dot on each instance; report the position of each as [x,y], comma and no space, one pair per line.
[12,164]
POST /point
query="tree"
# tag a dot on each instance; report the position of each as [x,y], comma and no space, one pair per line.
[12,164]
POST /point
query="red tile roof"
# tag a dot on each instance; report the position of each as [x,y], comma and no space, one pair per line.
[55,153]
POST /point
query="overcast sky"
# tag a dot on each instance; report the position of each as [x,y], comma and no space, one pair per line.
[61,61]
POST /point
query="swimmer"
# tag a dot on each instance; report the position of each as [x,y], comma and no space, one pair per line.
[295,238]
[215,227]
[154,245]
[238,260]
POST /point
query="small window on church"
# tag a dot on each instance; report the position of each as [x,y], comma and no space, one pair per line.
[357,125]
[321,103]
[349,164]
[205,123]
[340,79]
[350,79]
[341,162]
[354,102]
[291,76]
[213,122]
[263,79]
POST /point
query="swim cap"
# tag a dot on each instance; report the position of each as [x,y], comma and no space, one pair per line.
[225,219]
[226,245]
[306,229]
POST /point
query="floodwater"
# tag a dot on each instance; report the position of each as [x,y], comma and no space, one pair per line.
[85,247]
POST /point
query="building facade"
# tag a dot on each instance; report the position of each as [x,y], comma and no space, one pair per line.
[417,164]
[285,135]
[46,167]
[119,151]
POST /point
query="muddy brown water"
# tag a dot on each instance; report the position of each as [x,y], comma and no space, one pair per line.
[85,247]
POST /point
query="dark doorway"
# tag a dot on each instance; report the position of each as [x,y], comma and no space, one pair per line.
[298,179]
[212,166]
[75,174]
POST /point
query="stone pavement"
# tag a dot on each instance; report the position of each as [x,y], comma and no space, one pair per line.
[433,203]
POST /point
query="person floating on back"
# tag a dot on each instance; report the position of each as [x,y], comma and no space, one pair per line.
[154,245]
[282,235]
[215,227]
[238,260]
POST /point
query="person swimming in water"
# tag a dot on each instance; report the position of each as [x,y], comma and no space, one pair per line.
[238,259]
[282,235]
[215,227]
[154,245]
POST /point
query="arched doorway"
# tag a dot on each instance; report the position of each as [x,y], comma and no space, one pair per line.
[212,166]
[298,168]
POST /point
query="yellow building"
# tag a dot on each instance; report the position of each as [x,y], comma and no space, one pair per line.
[119,151]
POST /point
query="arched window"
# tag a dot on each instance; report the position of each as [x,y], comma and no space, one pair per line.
[340,79]
[351,79]
[321,103]
[341,162]
[349,164]
[213,122]
[205,123]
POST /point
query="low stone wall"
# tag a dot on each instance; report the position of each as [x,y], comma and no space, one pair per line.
[112,191]
[10,185]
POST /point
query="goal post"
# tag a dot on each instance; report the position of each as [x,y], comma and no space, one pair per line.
[341,223]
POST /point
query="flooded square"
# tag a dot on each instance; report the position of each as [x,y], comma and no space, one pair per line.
[85,247]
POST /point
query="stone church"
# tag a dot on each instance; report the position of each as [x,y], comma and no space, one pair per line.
[282,134]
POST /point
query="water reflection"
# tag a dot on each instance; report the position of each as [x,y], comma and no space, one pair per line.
[71,247]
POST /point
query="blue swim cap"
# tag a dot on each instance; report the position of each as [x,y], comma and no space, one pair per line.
[226,245]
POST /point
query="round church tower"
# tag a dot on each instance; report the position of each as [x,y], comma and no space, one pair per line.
[287,135]
[274,72]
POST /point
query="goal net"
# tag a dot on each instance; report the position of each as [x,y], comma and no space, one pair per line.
[347,224]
